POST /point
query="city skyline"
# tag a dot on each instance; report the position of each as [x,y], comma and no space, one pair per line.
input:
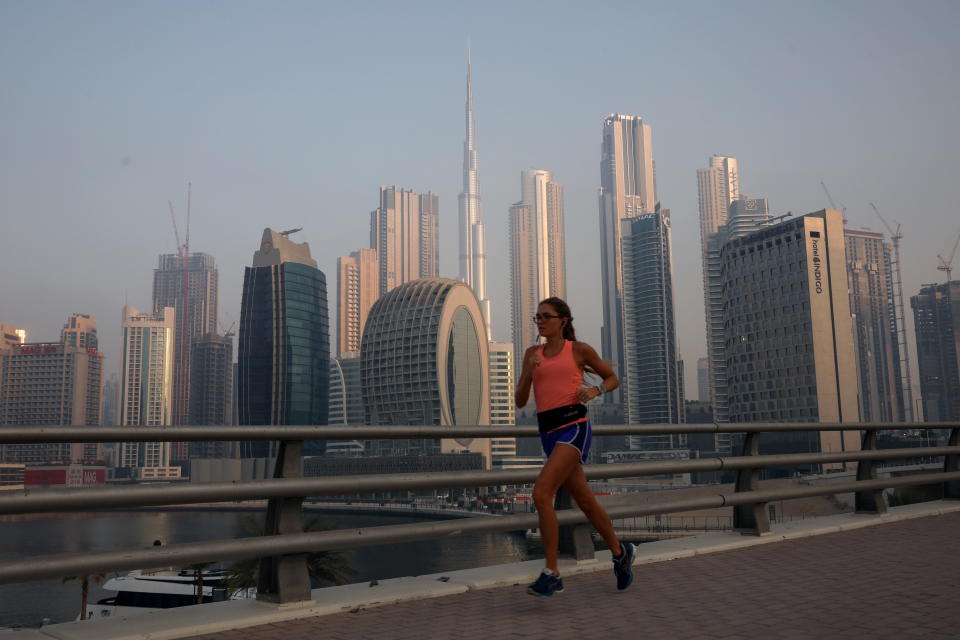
[118,150]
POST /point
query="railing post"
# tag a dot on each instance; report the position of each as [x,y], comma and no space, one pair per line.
[752,518]
[872,501]
[575,540]
[284,579]
[951,488]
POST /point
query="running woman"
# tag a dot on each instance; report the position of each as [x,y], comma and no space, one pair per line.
[555,370]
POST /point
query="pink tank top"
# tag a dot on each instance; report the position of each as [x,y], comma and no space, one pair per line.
[556,380]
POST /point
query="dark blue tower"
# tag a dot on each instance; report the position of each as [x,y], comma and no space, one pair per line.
[284,343]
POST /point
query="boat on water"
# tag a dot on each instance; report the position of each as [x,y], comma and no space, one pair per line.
[143,591]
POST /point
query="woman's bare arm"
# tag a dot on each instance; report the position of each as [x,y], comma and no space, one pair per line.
[588,358]
[531,360]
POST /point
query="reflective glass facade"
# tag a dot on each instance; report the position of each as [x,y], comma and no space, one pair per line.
[464,382]
[284,350]
[654,394]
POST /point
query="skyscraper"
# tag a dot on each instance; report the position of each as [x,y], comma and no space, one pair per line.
[146,388]
[284,344]
[51,383]
[537,264]
[718,187]
[870,281]
[403,231]
[198,319]
[211,391]
[654,393]
[627,190]
[703,379]
[473,259]
[936,313]
[745,215]
[789,337]
[358,287]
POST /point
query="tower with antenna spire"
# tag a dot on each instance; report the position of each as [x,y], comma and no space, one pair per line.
[473,260]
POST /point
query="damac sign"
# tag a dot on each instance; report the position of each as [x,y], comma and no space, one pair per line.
[817,272]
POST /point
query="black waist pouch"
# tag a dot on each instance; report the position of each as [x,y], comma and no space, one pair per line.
[554,418]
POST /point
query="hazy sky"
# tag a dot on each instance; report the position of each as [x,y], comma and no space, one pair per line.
[292,114]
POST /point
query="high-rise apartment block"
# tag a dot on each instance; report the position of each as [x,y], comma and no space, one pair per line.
[718,187]
[284,345]
[870,280]
[211,392]
[146,388]
[196,315]
[654,391]
[537,264]
[51,383]
[502,408]
[358,287]
[936,313]
[627,190]
[789,336]
[403,232]
[429,235]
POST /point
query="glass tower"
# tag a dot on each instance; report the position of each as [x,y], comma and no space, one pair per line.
[654,394]
[284,346]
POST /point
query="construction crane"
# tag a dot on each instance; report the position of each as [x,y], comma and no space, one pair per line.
[833,205]
[228,332]
[181,380]
[289,231]
[901,328]
[947,265]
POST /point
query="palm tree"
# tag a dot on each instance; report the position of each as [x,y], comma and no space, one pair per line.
[325,566]
[85,589]
[198,579]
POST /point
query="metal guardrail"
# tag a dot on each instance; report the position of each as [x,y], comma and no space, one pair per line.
[283,575]
[60,433]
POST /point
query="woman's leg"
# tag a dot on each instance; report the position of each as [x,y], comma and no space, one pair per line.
[576,485]
[562,461]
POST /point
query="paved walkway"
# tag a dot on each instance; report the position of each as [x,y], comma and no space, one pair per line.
[897,580]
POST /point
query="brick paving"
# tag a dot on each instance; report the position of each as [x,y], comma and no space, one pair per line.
[898,580]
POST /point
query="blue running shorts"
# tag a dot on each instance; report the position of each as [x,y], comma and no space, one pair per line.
[578,435]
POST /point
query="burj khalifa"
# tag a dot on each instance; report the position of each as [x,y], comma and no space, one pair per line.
[473,259]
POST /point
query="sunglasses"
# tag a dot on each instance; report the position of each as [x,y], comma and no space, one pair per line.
[543,317]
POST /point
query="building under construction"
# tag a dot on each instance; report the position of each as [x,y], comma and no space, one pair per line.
[196,314]
[875,328]
[936,313]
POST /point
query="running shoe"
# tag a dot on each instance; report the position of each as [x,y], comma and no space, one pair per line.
[546,585]
[623,565]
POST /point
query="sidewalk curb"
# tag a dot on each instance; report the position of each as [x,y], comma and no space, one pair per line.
[185,622]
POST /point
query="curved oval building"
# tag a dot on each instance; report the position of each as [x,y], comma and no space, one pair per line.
[424,361]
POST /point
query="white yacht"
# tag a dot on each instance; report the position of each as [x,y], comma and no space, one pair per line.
[147,590]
